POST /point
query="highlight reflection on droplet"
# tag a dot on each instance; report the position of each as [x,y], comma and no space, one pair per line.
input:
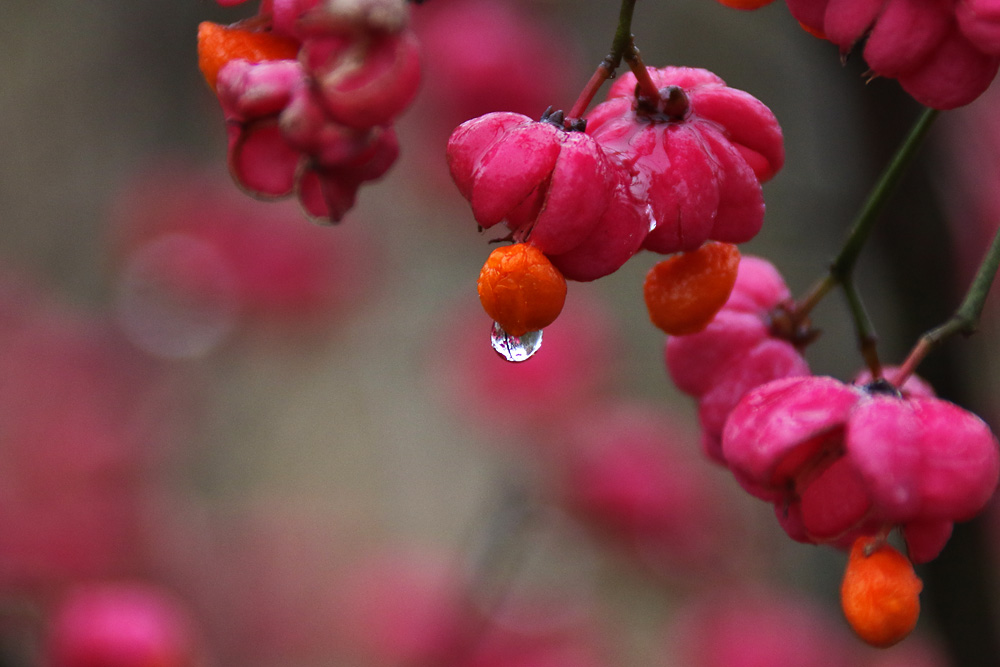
[515,348]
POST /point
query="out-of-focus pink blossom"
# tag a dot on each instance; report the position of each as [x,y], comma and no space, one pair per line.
[404,608]
[944,54]
[630,472]
[121,624]
[511,60]
[525,399]
[841,460]
[189,250]
[534,643]
[754,628]
[86,421]
[737,351]
[696,157]
[970,144]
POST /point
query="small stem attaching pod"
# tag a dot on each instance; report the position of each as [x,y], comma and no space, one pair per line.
[521,289]
[880,593]
[683,293]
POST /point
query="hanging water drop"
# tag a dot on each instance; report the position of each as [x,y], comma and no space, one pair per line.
[515,348]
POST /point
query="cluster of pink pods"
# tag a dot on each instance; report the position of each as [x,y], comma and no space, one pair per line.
[740,349]
[837,460]
[842,460]
[198,265]
[666,174]
[309,108]
[944,54]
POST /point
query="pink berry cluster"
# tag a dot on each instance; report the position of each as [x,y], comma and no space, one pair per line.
[120,623]
[837,460]
[665,174]
[631,475]
[76,486]
[944,54]
[316,124]
[198,265]
[403,607]
[842,460]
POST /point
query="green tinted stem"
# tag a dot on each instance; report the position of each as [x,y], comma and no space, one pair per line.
[622,46]
[966,317]
[867,340]
[863,224]
[843,265]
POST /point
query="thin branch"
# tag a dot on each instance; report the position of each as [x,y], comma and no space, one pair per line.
[620,46]
[966,317]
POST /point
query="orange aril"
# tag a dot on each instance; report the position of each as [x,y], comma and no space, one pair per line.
[880,593]
[815,32]
[683,293]
[218,44]
[521,289]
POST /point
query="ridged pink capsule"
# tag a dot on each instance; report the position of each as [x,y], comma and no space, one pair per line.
[252,95]
[364,82]
[944,54]
[736,352]
[696,157]
[616,237]
[551,185]
[840,459]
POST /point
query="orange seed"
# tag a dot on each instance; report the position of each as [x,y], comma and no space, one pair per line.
[521,289]
[217,45]
[683,293]
[880,593]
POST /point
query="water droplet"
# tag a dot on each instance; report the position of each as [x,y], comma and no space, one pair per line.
[515,348]
[651,216]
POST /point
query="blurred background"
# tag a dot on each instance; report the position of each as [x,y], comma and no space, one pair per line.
[282,444]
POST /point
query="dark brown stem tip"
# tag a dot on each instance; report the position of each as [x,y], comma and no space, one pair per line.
[671,103]
[559,119]
[785,323]
[674,102]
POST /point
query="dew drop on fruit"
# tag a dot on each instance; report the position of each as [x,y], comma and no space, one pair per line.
[515,348]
